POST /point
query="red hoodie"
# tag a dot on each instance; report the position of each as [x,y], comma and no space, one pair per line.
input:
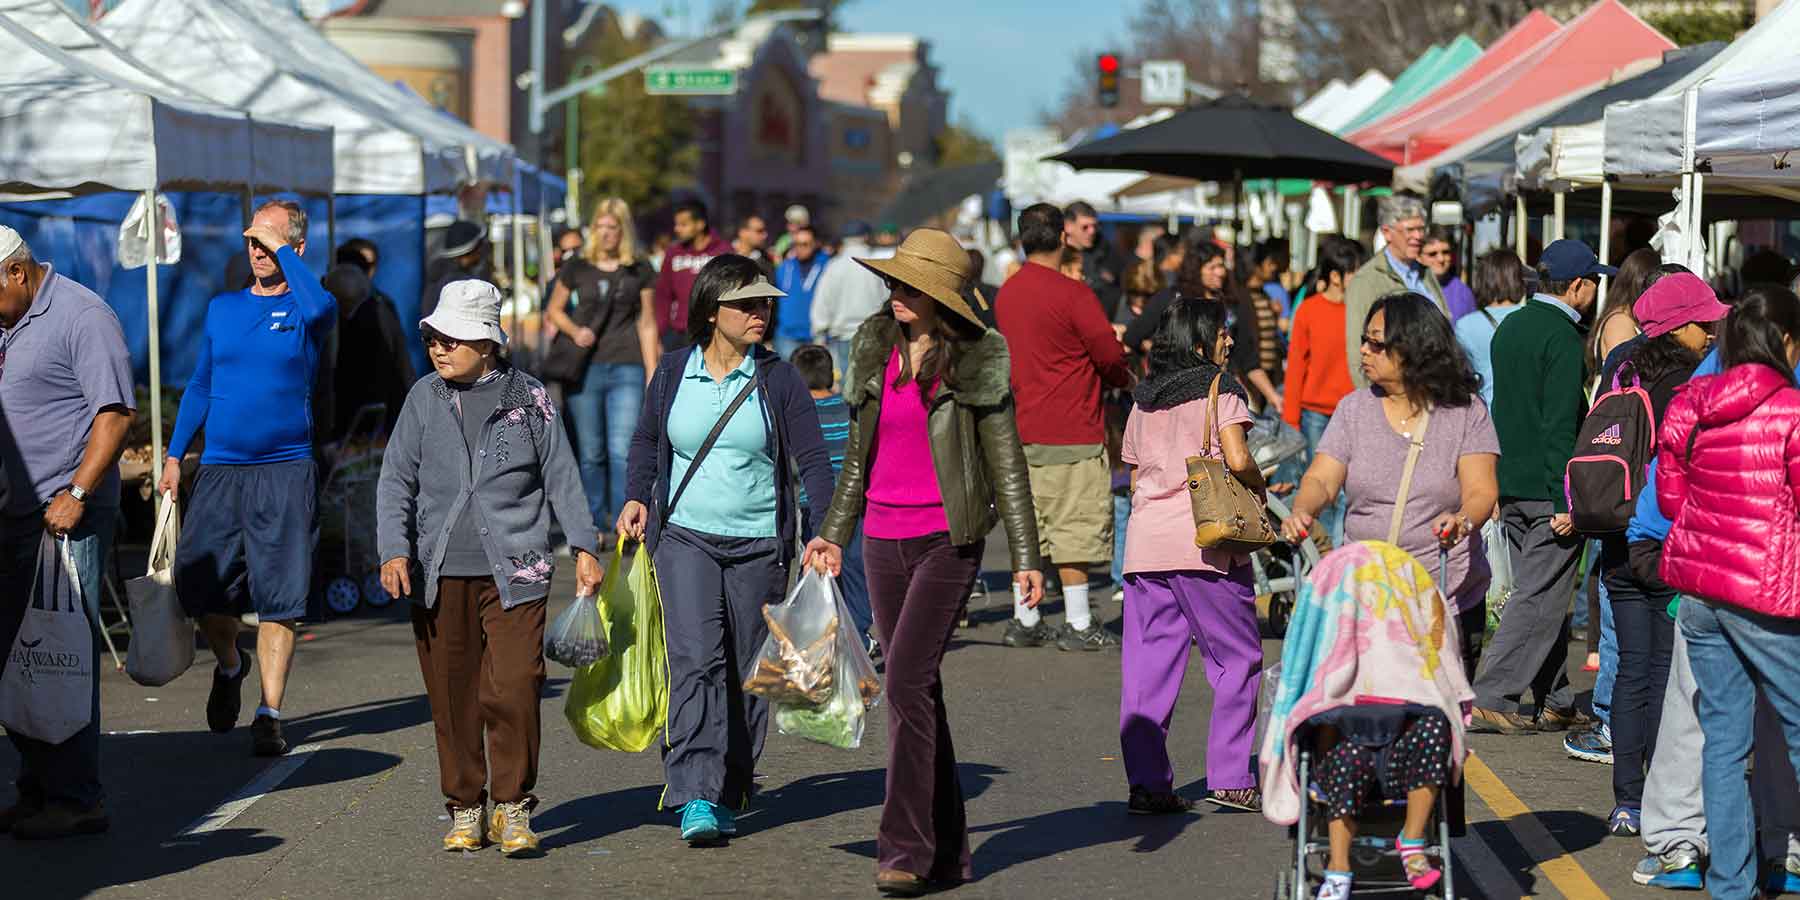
[681,263]
[1734,495]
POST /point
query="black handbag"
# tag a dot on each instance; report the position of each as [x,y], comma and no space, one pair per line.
[565,361]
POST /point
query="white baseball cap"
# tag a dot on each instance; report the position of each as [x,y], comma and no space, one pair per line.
[10,241]
[467,310]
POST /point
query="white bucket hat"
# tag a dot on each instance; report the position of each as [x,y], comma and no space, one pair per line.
[9,241]
[467,310]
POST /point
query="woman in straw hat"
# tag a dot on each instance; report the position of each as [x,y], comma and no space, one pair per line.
[933,453]
[724,422]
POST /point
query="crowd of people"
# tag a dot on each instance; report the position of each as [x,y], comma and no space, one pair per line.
[874,410]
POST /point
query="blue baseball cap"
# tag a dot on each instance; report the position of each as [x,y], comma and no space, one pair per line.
[1569,259]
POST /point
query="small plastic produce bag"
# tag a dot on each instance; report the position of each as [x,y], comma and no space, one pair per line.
[795,665]
[853,685]
[576,638]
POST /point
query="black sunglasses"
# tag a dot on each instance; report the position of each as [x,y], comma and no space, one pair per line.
[748,304]
[430,337]
[1375,345]
[896,285]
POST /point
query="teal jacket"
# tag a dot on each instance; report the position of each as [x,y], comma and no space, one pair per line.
[1539,368]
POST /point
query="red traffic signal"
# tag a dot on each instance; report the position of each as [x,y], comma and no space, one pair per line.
[1108,81]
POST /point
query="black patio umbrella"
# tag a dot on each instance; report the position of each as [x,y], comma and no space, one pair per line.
[1232,138]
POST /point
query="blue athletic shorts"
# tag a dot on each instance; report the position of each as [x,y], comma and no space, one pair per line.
[247,541]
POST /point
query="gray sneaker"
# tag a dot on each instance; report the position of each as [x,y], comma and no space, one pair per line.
[1677,868]
[1017,635]
[1093,637]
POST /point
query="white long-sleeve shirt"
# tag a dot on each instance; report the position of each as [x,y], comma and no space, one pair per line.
[848,293]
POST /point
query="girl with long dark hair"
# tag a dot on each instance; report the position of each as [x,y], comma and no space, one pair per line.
[1175,592]
[1318,375]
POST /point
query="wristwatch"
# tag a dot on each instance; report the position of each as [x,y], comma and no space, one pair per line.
[78,492]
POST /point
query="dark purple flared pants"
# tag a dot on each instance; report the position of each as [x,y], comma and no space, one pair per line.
[916,587]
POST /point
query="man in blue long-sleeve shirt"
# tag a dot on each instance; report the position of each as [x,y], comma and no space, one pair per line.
[248,528]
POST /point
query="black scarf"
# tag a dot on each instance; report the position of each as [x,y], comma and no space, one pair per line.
[1171,389]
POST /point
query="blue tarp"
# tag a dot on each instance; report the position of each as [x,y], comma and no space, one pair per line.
[80,238]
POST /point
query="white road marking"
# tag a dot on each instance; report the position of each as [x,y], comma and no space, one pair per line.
[270,779]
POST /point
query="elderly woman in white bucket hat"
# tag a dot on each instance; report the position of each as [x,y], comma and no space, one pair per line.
[932,465]
[476,466]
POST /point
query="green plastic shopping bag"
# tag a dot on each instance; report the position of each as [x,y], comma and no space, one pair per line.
[622,701]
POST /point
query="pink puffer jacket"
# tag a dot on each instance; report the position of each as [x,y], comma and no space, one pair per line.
[1736,502]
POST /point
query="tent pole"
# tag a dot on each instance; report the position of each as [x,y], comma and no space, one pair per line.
[153,312]
[1560,199]
[331,224]
[1605,238]
[1521,225]
[518,261]
[1696,258]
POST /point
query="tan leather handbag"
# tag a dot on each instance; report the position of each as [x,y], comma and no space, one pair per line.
[1227,515]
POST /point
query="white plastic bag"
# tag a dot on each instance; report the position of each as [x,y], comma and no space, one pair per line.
[162,636]
[577,638]
[814,668]
[47,691]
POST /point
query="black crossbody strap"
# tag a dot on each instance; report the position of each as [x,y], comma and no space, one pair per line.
[706,446]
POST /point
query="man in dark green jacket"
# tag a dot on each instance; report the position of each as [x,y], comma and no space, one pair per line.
[1539,370]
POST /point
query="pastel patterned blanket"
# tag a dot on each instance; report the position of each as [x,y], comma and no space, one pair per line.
[1370,624]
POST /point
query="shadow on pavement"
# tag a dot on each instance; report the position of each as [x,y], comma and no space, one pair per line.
[1040,837]
[822,796]
[156,786]
[375,717]
[1519,864]
[597,816]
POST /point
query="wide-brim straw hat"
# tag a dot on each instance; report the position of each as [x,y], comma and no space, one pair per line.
[931,261]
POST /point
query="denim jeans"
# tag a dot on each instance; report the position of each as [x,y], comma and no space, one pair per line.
[1733,653]
[69,772]
[1331,518]
[1645,636]
[840,356]
[1608,676]
[603,414]
[1121,514]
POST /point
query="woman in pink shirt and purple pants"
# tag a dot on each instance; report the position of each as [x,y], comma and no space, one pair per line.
[932,464]
[1176,592]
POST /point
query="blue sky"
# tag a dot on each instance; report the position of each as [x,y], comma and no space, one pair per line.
[1001,60]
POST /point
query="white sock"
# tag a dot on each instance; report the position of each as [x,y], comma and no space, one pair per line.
[1026,615]
[269,711]
[233,673]
[1075,606]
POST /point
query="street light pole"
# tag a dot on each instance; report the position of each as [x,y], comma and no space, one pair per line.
[540,100]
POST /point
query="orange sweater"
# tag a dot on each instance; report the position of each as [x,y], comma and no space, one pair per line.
[1318,376]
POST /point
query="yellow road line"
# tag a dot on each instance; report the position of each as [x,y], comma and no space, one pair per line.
[1564,872]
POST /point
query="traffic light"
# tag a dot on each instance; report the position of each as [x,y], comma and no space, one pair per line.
[1107,65]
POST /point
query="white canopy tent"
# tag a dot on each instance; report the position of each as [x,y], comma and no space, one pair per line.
[1333,113]
[85,122]
[1332,93]
[210,46]
[1746,126]
[1653,140]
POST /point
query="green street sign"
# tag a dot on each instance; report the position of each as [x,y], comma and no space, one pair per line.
[672,80]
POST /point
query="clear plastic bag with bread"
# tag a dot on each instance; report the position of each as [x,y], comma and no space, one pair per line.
[812,669]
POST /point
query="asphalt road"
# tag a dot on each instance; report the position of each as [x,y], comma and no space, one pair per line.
[359,813]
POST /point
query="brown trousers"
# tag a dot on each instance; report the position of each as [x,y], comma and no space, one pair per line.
[483,667]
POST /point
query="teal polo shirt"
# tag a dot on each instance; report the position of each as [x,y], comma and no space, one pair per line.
[733,493]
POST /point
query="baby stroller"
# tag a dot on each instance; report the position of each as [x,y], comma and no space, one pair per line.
[348,559]
[1372,850]
[1373,715]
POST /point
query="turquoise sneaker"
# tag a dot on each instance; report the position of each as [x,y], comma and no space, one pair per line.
[727,820]
[698,823]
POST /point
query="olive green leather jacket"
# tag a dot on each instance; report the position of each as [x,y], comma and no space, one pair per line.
[974,444]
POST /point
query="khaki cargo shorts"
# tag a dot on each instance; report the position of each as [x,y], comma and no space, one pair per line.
[1074,511]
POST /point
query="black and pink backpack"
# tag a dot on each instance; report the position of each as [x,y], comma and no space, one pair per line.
[1612,458]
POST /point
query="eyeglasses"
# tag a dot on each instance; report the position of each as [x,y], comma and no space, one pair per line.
[895,285]
[432,338]
[747,305]
[1376,346]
